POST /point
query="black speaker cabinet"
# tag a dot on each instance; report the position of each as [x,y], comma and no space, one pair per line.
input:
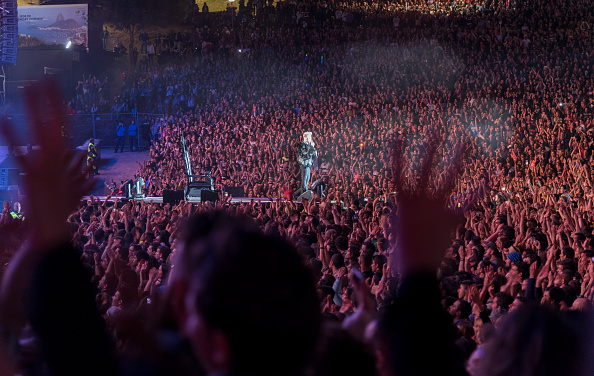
[172,197]
[208,195]
[235,191]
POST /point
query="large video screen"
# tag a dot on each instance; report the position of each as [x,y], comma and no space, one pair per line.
[53,24]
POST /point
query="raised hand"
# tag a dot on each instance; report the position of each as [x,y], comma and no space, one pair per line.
[474,296]
[54,178]
[423,224]
[534,270]
[543,274]
[357,322]
[153,274]
[54,183]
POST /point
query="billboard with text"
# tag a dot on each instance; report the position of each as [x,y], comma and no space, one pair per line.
[53,24]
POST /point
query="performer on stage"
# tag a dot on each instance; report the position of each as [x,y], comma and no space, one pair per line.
[306,151]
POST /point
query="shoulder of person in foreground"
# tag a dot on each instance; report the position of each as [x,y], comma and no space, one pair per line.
[251,292]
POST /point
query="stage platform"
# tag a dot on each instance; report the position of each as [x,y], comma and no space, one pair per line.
[159,200]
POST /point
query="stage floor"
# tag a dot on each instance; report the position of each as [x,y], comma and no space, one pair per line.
[159,200]
[117,166]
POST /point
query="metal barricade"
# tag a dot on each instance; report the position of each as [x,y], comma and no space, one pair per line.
[145,122]
[101,126]
[80,127]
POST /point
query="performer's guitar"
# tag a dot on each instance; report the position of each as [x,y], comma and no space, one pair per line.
[305,153]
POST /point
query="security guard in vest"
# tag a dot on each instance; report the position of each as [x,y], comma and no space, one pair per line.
[16,212]
[92,158]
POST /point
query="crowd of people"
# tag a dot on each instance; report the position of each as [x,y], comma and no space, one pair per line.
[355,87]
[455,233]
[91,95]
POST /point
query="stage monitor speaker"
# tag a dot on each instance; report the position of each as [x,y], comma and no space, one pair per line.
[127,188]
[195,187]
[319,187]
[193,191]
[308,195]
[235,191]
[172,197]
[297,193]
[208,195]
